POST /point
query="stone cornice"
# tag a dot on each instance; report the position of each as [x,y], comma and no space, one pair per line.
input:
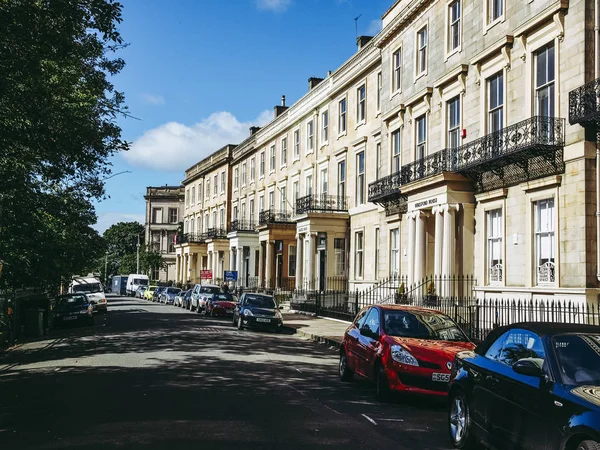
[400,21]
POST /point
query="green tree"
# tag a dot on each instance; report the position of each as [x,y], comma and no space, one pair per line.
[58,128]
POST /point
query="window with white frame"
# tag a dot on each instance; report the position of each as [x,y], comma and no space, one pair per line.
[325,126]
[251,207]
[453,122]
[222,182]
[236,178]
[206,223]
[421,129]
[292,261]
[361,103]
[173,215]
[192,222]
[545,260]
[261,170]
[199,192]
[296,190]
[324,182]
[215,185]
[454,32]
[495,260]
[422,50]
[297,144]
[358,254]
[396,141]
[156,215]
[252,170]
[394,252]
[243,212]
[495,116]
[222,218]
[272,159]
[342,116]
[310,136]
[187,197]
[208,188]
[378,160]
[341,181]
[376,253]
[284,152]
[360,178]
[244,171]
[283,199]
[199,224]
[261,203]
[397,70]
[309,182]
[379,90]
[235,213]
[544,81]
[193,196]
[495,10]
[339,247]
[186,227]
[272,201]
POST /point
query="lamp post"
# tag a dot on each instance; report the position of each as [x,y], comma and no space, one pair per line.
[138,254]
[106,268]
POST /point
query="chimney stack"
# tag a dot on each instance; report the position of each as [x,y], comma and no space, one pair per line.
[361,41]
[283,100]
[313,82]
[280,109]
[253,130]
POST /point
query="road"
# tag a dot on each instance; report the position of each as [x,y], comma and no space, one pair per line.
[151,376]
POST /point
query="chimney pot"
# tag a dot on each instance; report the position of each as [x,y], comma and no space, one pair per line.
[283,100]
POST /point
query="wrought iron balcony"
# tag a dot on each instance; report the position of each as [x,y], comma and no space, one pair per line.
[584,104]
[216,233]
[191,238]
[274,216]
[433,164]
[526,150]
[386,188]
[242,226]
[321,203]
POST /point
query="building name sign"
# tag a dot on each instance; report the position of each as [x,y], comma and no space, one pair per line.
[303,229]
[425,203]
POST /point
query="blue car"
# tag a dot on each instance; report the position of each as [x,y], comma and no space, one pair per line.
[257,311]
[168,295]
[72,308]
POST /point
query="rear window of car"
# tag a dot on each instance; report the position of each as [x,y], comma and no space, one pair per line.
[76,300]
[223,297]
[209,290]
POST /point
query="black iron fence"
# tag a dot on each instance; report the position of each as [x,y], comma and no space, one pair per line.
[274,216]
[192,238]
[321,203]
[386,187]
[216,233]
[584,103]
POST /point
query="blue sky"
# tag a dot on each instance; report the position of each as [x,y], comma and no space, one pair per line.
[199,73]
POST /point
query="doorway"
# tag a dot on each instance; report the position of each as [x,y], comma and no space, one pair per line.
[322,269]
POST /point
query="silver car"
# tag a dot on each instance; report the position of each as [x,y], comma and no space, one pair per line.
[200,295]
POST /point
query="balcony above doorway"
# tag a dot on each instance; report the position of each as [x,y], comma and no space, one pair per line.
[242,226]
[321,203]
[584,104]
[385,189]
[271,216]
[216,233]
[190,238]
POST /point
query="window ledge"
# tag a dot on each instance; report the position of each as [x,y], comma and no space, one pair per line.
[283,166]
[420,75]
[360,124]
[341,135]
[451,53]
[491,25]
[324,143]
[543,183]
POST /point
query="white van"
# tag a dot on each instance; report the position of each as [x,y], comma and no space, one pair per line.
[93,288]
[134,281]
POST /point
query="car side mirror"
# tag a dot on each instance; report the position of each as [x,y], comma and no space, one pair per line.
[528,367]
[366,331]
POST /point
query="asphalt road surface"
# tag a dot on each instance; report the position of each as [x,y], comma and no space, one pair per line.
[152,376]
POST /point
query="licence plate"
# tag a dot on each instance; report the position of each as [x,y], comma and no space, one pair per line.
[263,320]
[70,318]
[444,377]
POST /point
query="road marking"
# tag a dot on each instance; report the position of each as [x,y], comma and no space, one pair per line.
[369,419]
[297,390]
[392,420]
[331,409]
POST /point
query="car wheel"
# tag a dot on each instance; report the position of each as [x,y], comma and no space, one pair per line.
[382,387]
[345,372]
[459,422]
[240,325]
[588,445]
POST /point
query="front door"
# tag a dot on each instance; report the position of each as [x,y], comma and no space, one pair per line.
[279,270]
[322,269]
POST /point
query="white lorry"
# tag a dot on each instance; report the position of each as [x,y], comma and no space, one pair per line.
[134,281]
[93,288]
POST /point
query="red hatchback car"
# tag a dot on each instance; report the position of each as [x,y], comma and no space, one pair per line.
[402,349]
[221,304]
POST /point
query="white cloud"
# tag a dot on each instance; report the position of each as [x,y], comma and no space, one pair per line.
[152,99]
[175,146]
[274,5]
[105,220]
[374,27]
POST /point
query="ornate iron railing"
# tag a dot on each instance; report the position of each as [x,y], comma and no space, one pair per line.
[274,216]
[546,273]
[537,131]
[216,233]
[388,186]
[193,238]
[395,207]
[433,164]
[584,103]
[242,225]
[321,203]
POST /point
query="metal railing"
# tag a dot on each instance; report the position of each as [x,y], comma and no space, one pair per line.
[584,103]
[321,203]
[274,216]
[433,164]
[192,238]
[388,186]
[242,225]
[216,233]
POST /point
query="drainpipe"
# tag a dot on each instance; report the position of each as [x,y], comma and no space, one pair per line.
[596,76]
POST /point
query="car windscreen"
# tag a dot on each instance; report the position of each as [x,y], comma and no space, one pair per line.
[140,281]
[68,301]
[259,301]
[209,290]
[422,325]
[223,298]
[173,290]
[87,288]
[578,357]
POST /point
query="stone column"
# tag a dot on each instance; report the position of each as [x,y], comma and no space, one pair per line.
[252,262]
[411,249]
[269,264]
[239,266]
[261,255]
[310,262]
[420,246]
[232,259]
[299,261]
[177,268]
[439,240]
[186,267]
[449,244]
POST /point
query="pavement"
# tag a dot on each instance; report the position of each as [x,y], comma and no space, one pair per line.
[152,376]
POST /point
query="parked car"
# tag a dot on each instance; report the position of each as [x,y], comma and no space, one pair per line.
[149,293]
[72,308]
[200,295]
[257,311]
[139,293]
[221,304]
[168,295]
[186,299]
[402,349]
[179,298]
[528,386]
[157,292]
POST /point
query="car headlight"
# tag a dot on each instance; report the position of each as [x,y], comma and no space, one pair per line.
[401,355]
[83,311]
[247,313]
